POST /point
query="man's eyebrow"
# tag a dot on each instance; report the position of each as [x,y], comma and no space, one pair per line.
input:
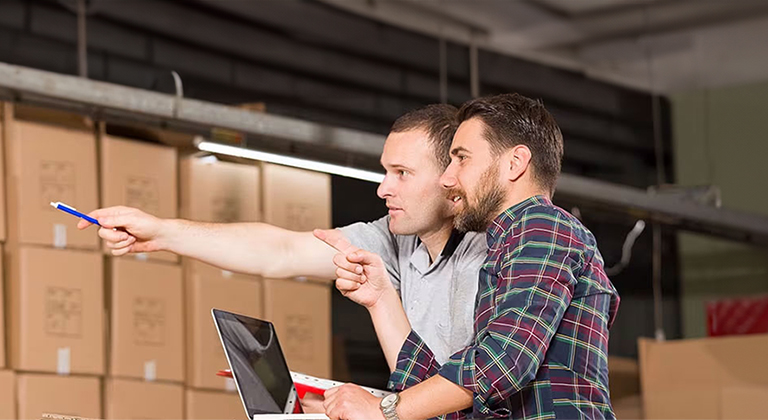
[396,166]
[456,150]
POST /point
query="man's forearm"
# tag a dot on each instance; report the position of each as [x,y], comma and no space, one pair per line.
[431,398]
[391,324]
[252,248]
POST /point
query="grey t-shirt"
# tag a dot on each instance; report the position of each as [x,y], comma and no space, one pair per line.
[438,298]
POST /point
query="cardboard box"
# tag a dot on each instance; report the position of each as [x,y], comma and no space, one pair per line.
[624,383]
[704,378]
[628,408]
[54,394]
[146,318]
[301,312]
[3,106]
[215,191]
[49,163]
[7,394]
[205,405]
[55,310]
[2,315]
[141,175]
[296,199]
[208,287]
[133,399]
[623,377]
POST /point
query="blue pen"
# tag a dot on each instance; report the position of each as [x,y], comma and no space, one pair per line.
[71,210]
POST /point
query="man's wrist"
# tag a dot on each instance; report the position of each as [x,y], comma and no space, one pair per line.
[388,298]
[388,406]
[168,230]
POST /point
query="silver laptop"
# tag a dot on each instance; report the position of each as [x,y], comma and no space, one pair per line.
[258,368]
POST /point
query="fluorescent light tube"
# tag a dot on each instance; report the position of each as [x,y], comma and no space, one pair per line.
[312,165]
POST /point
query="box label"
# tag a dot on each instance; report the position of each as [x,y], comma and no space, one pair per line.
[59,235]
[149,321]
[142,193]
[57,183]
[63,311]
[63,357]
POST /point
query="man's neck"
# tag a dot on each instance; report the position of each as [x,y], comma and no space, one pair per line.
[516,197]
[435,240]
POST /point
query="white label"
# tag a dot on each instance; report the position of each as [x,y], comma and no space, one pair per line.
[59,235]
[142,256]
[150,370]
[62,361]
[229,385]
[227,274]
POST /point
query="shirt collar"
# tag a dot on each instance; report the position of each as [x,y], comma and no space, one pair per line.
[453,242]
[503,221]
[420,258]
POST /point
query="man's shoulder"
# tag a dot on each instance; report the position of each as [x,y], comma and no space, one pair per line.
[549,217]
[548,214]
[473,243]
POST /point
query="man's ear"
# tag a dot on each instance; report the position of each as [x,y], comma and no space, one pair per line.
[516,162]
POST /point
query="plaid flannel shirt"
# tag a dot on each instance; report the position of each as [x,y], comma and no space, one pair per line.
[542,314]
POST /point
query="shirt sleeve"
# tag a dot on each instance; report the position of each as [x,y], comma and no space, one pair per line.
[415,363]
[535,286]
[376,237]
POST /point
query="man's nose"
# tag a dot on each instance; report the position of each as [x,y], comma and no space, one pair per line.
[448,178]
[385,188]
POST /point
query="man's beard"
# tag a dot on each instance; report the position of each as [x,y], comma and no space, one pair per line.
[490,198]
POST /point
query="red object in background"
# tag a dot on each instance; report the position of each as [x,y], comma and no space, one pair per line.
[737,316]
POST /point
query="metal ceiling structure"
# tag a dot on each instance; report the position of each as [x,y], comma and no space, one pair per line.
[105,99]
[688,44]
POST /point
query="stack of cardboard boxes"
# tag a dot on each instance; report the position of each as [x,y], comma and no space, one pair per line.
[144,291]
[213,191]
[98,336]
[54,273]
[299,200]
[7,377]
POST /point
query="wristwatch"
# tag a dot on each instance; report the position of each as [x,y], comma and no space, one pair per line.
[388,406]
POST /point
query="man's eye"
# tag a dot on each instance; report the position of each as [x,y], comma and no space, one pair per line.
[402,172]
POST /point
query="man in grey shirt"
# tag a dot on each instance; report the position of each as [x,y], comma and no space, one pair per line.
[434,268]
[438,295]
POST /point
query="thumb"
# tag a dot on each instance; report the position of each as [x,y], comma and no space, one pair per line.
[124,222]
[364,257]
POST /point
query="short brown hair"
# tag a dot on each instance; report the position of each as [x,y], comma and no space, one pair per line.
[512,119]
[439,122]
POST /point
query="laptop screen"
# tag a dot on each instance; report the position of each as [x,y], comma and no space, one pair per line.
[257,363]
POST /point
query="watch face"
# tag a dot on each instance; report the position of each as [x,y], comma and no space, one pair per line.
[389,400]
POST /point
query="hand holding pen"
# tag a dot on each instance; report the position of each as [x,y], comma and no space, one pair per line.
[124,229]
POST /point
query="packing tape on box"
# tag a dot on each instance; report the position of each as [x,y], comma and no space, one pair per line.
[142,256]
[227,274]
[59,235]
[311,381]
[63,356]
[229,385]
[150,370]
